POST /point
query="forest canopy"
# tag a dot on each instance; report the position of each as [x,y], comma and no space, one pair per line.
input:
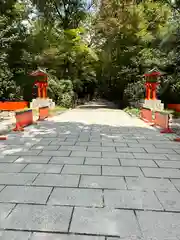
[88,47]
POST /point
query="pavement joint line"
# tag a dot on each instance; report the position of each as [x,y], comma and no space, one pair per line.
[70,152]
[159,200]
[70,221]
[35,178]
[60,232]
[91,207]
[119,160]
[156,163]
[126,183]
[143,172]
[174,185]
[144,149]
[83,161]
[21,171]
[3,188]
[139,225]
[20,185]
[103,201]
[49,195]
[48,160]
[11,210]
[61,169]
[79,181]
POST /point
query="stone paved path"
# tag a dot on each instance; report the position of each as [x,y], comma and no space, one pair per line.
[92,173]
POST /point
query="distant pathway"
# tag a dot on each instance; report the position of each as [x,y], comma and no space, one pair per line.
[92,173]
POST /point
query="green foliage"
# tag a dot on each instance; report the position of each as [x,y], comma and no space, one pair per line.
[134,92]
[61,91]
[106,50]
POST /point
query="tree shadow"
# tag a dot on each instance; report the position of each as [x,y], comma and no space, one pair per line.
[79,133]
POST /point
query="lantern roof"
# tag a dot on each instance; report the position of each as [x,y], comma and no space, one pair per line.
[153,73]
[38,72]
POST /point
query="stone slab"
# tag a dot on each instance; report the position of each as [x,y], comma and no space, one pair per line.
[85,154]
[101,149]
[176,183]
[76,197]
[137,163]
[161,172]
[121,171]
[56,180]
[39,218]
[102,161]
[104,221]
[8,159]
[170,200]
[130,150]
[50,236]
[17,178]
[143,183]
[102,182]
[67,160]
[33,159]
[168,164]
[173,157]
[25,194]
[11,167]
[159,150]
[61,143]
[43,168]
[117,155]
[23,153]
[126,238]
[150,156]
[140,145]
[86,144]
[73,148]
[55,153]
[131,199]
[170,145]
[42,143]
[49,148]
[114,144]
[14,235]
[5,209]
[159,225]
[81,169]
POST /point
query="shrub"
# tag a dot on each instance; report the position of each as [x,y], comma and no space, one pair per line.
[134,92]
[61,91]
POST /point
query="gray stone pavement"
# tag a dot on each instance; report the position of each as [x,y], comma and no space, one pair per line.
[90,174]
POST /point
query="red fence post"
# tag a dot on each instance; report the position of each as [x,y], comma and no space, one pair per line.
[23,118]
[43,113]
[162,120]
[146,115]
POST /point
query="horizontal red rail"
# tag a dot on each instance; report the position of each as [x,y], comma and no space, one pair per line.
[12,106]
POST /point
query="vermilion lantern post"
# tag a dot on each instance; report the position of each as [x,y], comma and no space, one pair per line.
[151,85]
[41,83]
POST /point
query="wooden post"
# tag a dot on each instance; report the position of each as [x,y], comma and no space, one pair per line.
[148,91]
[154,87]
[39,92]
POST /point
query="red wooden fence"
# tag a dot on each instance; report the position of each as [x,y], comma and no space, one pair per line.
[146,115]
[23,118]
